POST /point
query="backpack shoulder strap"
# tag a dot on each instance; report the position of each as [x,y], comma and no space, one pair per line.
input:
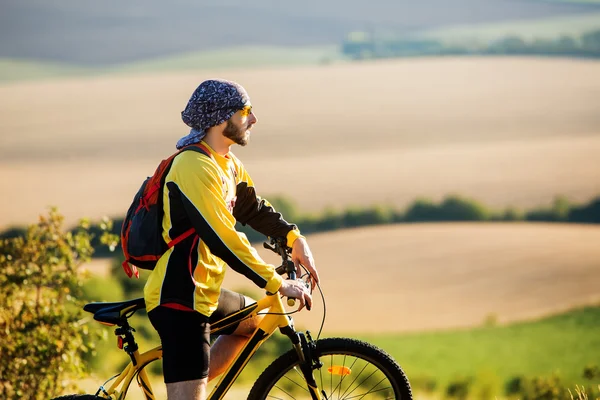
[200,148]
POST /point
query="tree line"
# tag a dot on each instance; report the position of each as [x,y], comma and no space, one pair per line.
[451,208]
[364,45]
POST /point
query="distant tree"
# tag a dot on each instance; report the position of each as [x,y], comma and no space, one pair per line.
[422,210]
[511,214]
[589,213]
[330,220]
[455,208]
[368,216]
[560,208]
[509,45]
[591,42]
[285,206]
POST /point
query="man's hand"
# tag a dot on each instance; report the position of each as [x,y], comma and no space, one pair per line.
[301,255]
[298,290]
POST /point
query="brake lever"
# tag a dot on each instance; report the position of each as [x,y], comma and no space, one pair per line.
[269,247]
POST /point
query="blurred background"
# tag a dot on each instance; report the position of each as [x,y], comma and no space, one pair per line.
[443,159]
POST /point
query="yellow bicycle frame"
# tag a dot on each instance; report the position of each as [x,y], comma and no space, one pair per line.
[274,318]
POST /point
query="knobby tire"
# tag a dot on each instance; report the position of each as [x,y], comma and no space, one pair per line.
[352,369]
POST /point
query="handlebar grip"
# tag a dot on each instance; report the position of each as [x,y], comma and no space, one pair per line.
[291,301]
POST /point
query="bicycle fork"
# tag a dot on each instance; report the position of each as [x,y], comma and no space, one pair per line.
[305,347]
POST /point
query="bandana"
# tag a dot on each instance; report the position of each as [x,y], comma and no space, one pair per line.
[211,104]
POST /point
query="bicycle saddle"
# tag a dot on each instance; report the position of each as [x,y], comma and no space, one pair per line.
[115,313]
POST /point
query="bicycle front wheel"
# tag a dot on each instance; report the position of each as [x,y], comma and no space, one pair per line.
[352,369]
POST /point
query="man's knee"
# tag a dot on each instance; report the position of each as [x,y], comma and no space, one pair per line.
[194,389]
[248,326]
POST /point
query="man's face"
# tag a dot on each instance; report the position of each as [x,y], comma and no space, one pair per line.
[239,125]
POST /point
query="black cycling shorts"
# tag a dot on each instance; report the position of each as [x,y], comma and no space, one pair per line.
[185,337]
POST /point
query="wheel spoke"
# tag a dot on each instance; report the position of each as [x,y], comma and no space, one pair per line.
[296,383]
[372,390]
[292,397]
[339,385]
[357,371]
[357,376]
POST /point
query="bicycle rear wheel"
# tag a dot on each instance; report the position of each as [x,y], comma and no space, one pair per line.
[352,369]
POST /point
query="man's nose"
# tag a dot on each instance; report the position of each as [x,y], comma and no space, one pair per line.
[252,118]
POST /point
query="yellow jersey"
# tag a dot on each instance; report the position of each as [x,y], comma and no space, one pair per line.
[210,194]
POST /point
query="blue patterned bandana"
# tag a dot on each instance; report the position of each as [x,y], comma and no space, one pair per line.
[212,103]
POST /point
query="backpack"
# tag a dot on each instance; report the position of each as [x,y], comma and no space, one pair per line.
[141,233]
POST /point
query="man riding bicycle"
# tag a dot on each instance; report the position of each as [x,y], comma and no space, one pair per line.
[210,193]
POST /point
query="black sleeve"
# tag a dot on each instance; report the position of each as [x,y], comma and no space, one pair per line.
[258,213]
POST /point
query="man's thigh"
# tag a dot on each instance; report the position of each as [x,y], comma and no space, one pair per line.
[185,339]
[230,302]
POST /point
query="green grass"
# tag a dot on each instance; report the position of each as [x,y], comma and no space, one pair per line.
[21,70]
[547,28]
[562,344]
[243,57]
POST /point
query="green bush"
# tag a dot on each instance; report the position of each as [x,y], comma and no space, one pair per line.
[486,386]
[44,339]
[511,214]
[591,372]
[550,388]
[543,388]
[459,388]
[559,212]
[589,213]
[455,208]
[422,210]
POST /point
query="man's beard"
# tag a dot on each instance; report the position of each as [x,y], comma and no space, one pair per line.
[238,135]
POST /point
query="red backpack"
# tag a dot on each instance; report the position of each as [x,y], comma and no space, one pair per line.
[141,233]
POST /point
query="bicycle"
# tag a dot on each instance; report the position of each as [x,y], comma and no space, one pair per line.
[322,369]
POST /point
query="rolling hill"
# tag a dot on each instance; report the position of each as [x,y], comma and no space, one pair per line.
[505,131]
[112,32]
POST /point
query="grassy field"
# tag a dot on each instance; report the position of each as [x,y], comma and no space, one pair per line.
[252,57]
[505,131]
[562,345]
[550,28]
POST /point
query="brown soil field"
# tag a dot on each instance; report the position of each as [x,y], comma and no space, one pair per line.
[416,277]
[506,131]
[401,278]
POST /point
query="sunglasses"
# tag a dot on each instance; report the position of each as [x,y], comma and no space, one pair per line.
[244,112]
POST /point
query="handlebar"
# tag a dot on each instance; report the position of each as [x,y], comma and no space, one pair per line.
[279,246]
